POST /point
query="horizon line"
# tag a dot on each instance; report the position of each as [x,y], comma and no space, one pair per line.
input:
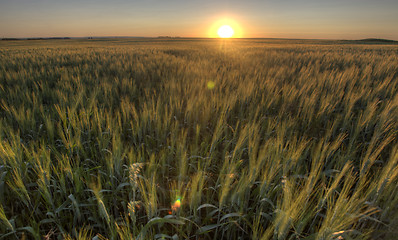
[181,37]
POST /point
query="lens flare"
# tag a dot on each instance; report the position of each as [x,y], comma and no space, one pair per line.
[176,205]
[210,85]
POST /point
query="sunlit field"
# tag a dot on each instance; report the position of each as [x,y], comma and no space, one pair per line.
[198,139]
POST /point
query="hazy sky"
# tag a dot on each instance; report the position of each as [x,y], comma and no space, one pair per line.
[335,19]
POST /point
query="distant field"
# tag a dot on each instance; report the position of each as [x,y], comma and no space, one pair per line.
[198,139]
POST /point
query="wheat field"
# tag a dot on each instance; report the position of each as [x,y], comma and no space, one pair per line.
[198,139]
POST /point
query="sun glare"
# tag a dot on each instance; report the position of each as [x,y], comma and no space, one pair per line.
[225,31]
[226,27]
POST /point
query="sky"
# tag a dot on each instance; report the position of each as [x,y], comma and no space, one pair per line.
[307,19]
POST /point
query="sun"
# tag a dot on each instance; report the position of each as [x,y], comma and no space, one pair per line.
[225,27]
[225,31]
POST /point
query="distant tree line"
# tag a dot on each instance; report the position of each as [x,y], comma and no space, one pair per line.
[52,38]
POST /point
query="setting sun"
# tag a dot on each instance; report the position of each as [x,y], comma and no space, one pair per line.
[225,31]
[225,27]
